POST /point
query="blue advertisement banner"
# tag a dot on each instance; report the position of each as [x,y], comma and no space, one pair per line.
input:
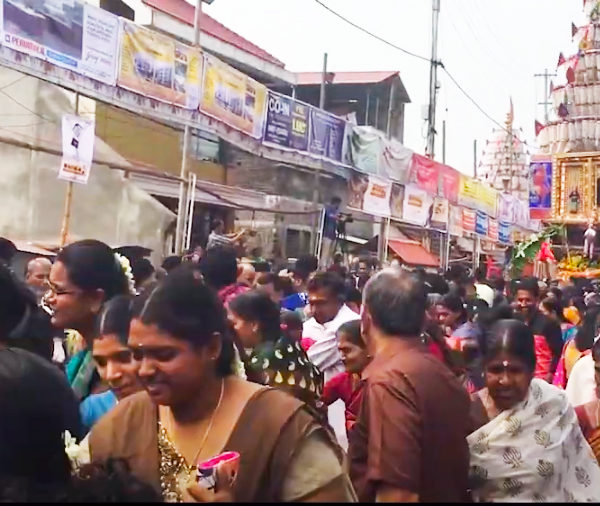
[504,232]
[481,223]
[286,122]
[326,135]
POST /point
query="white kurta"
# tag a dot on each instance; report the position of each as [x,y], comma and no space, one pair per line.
[325,355]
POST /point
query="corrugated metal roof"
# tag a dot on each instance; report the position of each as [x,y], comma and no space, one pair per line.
[413,254]
[184,11]
[307,78]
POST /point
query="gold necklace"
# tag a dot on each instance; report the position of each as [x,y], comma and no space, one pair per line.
[170,431]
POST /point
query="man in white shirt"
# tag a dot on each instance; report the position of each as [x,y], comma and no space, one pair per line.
[326,300]
[484,291]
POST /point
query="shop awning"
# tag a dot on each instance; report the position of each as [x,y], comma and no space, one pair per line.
[412,253]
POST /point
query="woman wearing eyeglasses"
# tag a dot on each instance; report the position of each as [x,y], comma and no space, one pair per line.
[528,445]
[84,276]
[194,408]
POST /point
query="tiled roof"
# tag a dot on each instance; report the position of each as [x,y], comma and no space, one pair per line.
[306,78]
[184,12]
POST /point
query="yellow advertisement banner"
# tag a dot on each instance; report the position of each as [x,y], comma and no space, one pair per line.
[468,191]
[487,200]
[233,97]
[157,66]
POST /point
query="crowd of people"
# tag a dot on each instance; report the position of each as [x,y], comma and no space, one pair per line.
[337,383]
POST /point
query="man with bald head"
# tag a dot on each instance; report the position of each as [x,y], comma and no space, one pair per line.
[36,275]
[409,443]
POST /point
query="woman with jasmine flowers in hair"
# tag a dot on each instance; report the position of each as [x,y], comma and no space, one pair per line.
[527,445]
[85,275]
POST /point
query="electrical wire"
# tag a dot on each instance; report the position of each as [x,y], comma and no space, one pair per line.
[460,88]
[364,30]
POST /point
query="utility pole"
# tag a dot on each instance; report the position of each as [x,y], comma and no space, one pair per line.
[444,141]
[183,173]
[315,196]
[433,79]
[546,75]
[475,158]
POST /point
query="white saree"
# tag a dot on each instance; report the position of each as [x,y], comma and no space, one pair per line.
[534,452]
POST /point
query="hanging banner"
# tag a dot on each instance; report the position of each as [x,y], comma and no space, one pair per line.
[449,181]
[366,146]
[506,211]
[521,213]
[487,199]
[424,173]
[417,204]
[481,223]
[493,230]
[397,201]
[377,197]
[440,214]
[68,33]
[233,97]
[467,192]
[286,123]
[455,221]
[357,187]
[504,232]
[396,161]
[540,189]
[78,149]
[155,65]
[468,220]
[326,135]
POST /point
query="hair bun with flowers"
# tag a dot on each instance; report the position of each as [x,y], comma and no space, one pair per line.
[125,266]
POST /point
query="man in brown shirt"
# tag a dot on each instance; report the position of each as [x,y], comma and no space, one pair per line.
[409,442]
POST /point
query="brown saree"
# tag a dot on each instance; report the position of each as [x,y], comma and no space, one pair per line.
[267,435]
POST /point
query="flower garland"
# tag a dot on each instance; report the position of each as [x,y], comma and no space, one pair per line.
[79,454]
[125,265]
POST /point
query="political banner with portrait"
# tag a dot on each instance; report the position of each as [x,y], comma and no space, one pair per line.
[157,66]
[233,98]
[397,201]
[357,187]
[68,33]
[78,149]
[540,189]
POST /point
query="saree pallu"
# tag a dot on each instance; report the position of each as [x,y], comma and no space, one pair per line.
[588,415]
[534,452]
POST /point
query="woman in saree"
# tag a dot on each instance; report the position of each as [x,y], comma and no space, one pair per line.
[589,413]
[84,276]
[527,445]
[194,408]
[276,358]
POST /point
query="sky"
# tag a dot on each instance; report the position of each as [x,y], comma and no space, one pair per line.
[492,48]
